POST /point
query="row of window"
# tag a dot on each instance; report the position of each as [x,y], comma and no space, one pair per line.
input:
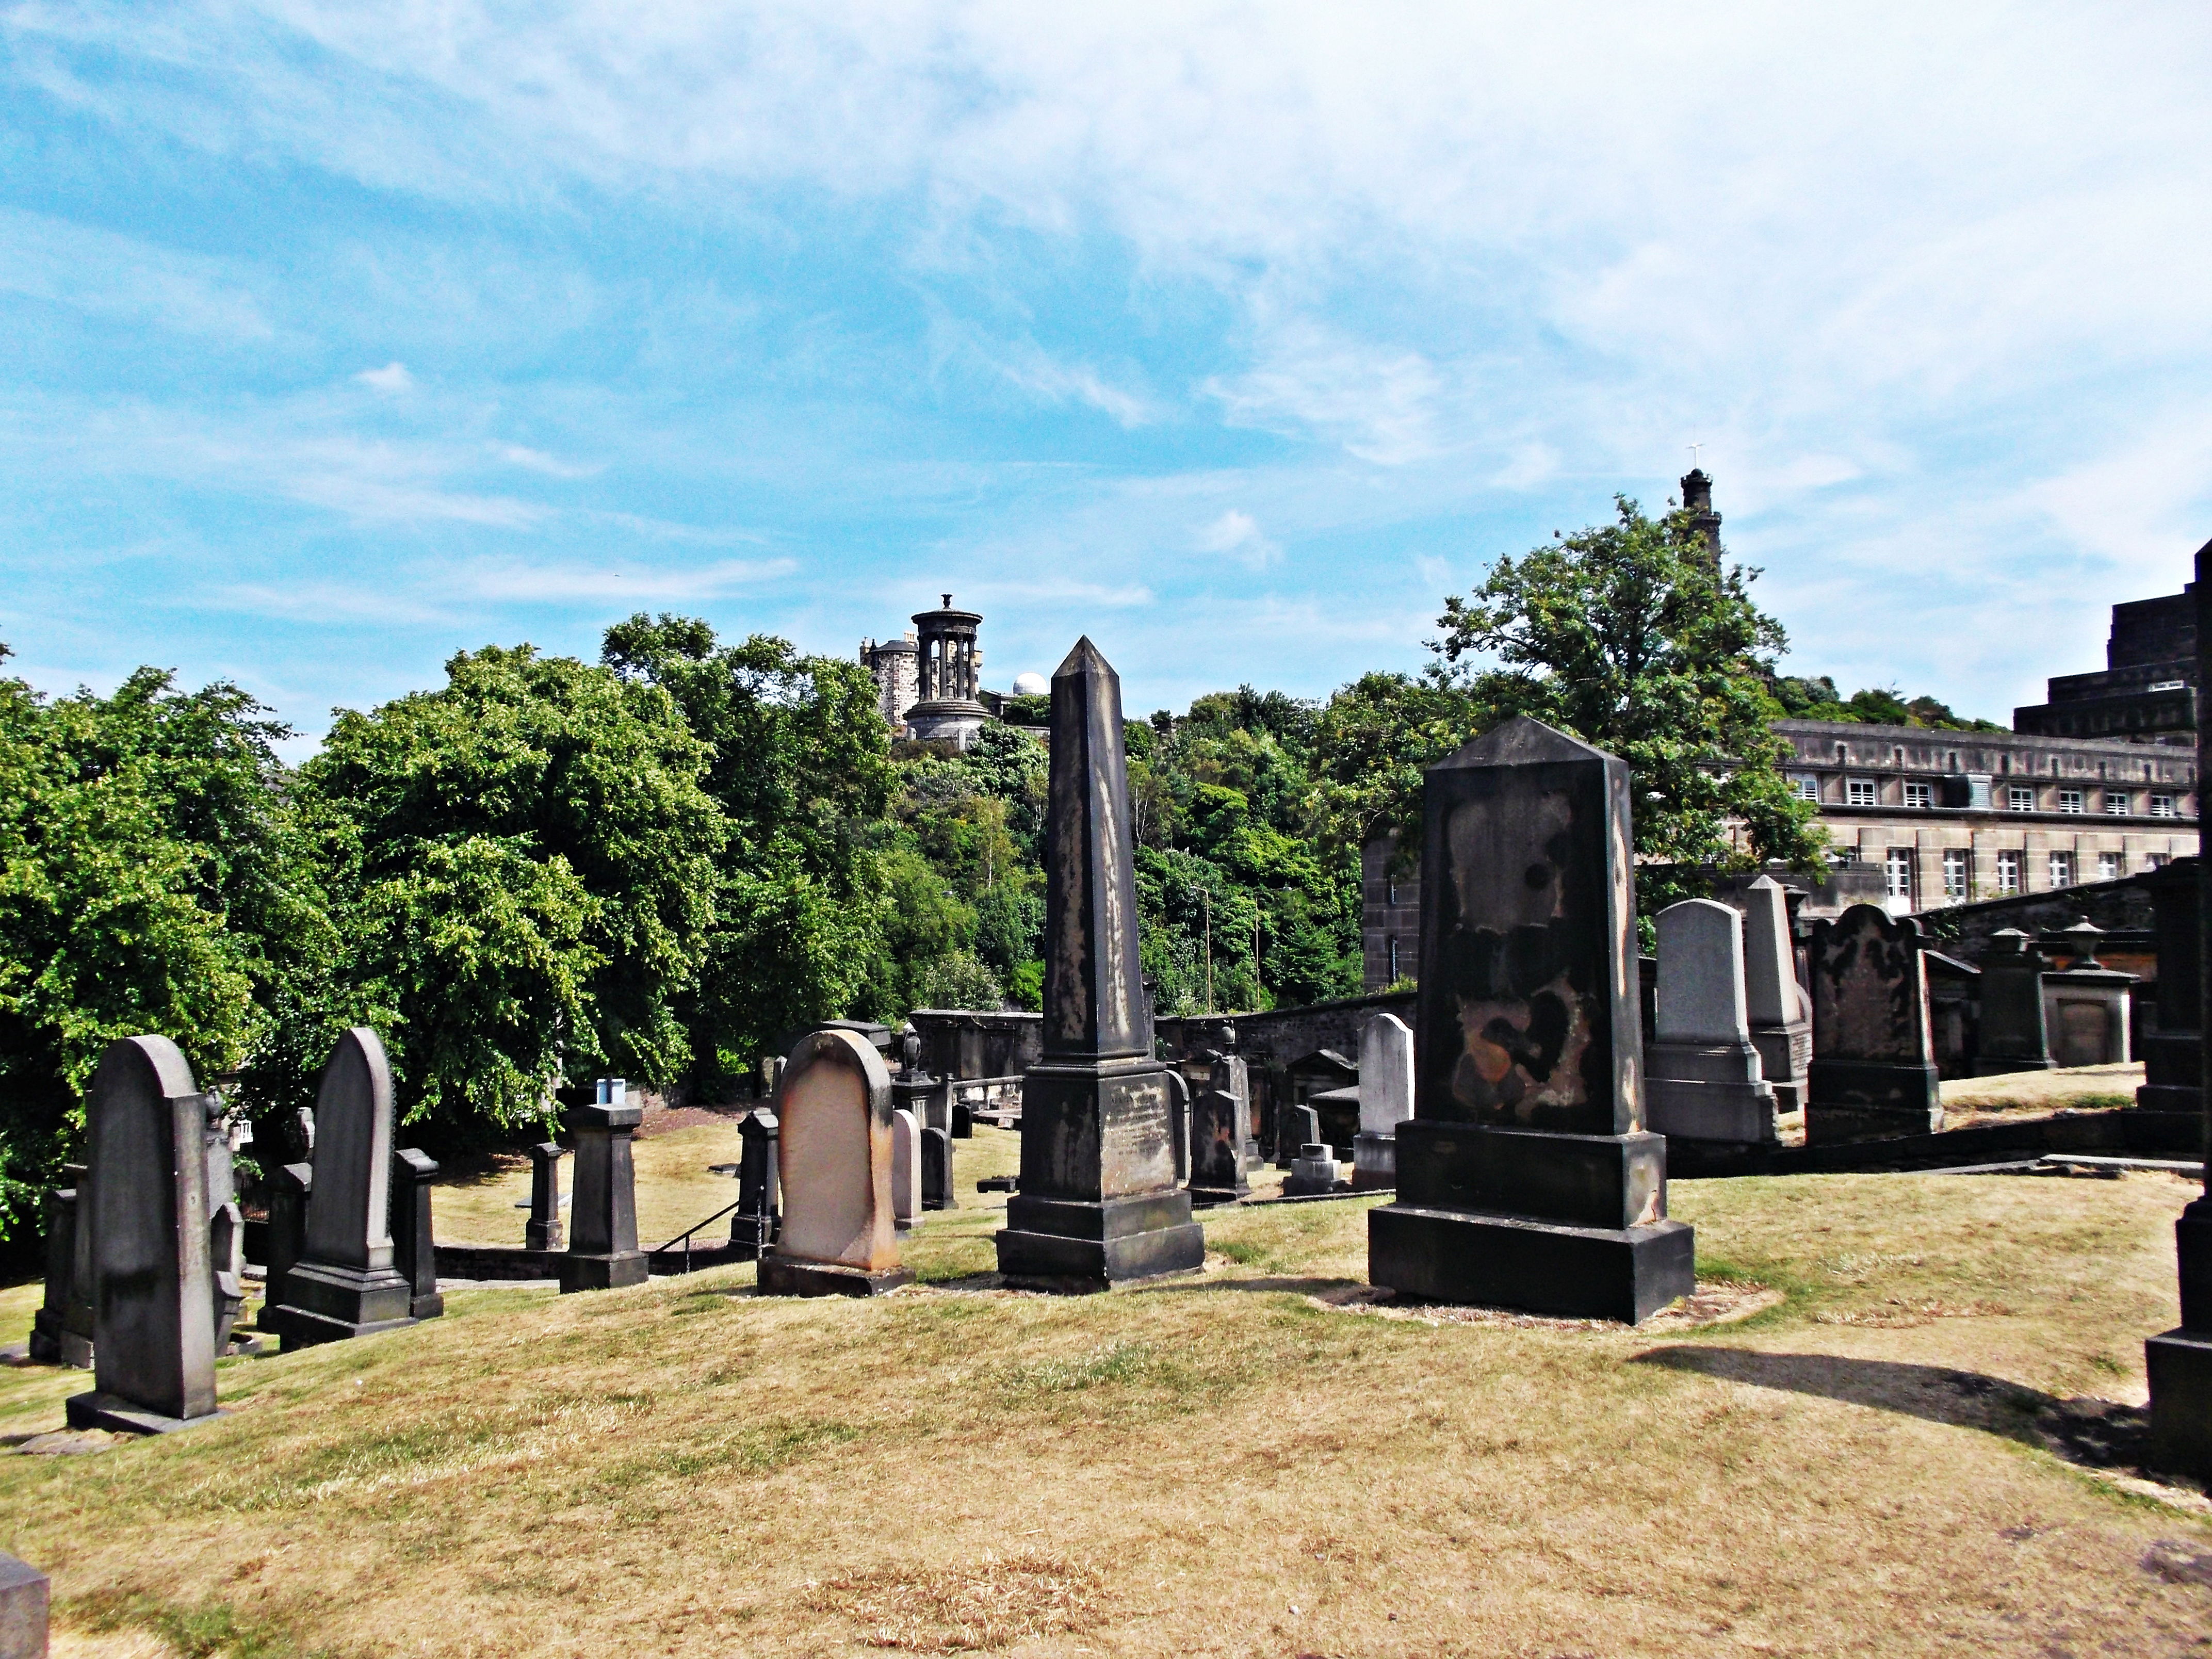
[1901,872]
[2018,797]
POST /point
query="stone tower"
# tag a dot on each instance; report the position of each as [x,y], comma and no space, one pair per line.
[893,662]
[1698,497]
[949,666]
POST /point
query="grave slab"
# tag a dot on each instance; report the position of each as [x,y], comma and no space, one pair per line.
[1705,1080]
[1873,1053]
[1386,1100]
[839,1237]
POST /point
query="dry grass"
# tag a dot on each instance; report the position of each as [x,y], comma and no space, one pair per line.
[2075,1086]
[1224,1464]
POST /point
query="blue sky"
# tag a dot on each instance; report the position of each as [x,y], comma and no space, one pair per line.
[335,339]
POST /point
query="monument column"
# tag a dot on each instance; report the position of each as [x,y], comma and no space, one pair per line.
[1098,1202]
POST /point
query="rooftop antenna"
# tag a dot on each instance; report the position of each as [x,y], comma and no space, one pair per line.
[1693,449]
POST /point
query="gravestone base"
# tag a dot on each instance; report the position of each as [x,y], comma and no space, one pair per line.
[609,1272]
[1079,1246]
[2180,1366]
[1707,1091]
[1623,1273]
[324,1302]
[112,1413]
[25,1594]
[52,1343]
[1784,1052]
[1865,1100]
[2174,1062]
[1373,1163]
[782,1275]
[1313,1172]
[1213,1198]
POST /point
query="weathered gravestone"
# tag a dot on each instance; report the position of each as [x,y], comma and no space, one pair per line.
[25,1593]
[61,1330]
[906,1168]
[1706,1081]
[753,1223]
[2173,1050]
[152,1283]
[603,1253]
[343,1285]
[1526,1178]
[1099,1202]
[2180,1360]
[2013,1037]
[1780,1014]
[1873,1053]
[1314,1171]
[937,1192]
[542,1231]
[834,1161]
[226,1228]
[414,1242]
[1386,1100]
[2084,1004]
[1220,1145]
[288,1186]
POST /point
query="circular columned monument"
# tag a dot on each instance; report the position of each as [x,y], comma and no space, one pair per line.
[947,672]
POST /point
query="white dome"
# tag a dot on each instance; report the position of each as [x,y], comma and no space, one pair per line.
[1031,685]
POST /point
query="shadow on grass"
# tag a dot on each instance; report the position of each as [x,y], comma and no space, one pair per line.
[2093,1433]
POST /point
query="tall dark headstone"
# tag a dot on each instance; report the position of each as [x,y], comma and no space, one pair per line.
[1874,1052]
[343,1285]
[1099,1202]
[2014,1036]
[1218,1122]
[937,1192]
[1526,1179]
[542,1231]
[2173,1053]
[2180,1360]
[414,1244]
[152,1283]
[61,1330]
[753,1223]
[603,1253]
[287,1233]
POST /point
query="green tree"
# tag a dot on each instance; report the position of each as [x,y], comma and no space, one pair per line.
[1633,636]
[521,867]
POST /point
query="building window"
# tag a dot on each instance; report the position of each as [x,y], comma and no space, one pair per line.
[2161,806]
[1897,872]
[2008,862]
[2062,869]
[1858,792]
[1804,786]
[2070,800]
[2110,866]
[2020,797]
[2116,802]
[1954,872]
[1920,794]
[2157,860]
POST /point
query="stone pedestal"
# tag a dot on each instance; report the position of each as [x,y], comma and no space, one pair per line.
[414,1244]
[754,1223]
[2180,1360]
[603,1253]
[2014,1036]
[834,1161]
[25,1593]
[542,1231]
[344,1284]
[61,1330]
[1313,1172]
[1525,1177]
[1705,1081]
[1873,1073]
[152,1283]
[1099,1202]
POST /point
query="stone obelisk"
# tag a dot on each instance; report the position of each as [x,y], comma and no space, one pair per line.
[1098,1201]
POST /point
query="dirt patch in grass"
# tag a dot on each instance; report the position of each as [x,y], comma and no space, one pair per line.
[971,1608]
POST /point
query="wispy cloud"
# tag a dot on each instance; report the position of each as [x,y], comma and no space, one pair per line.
[1377,403]
[1236,536]
[515,580]
[391,380]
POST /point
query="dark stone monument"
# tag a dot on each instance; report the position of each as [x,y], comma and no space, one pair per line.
[834,1161]
[937,1170]
[288,1187]
[2013,1037]
[1217,1168]
[414,1247]
[61,1330]
[343,1285]
[2174,1052]
[752,1226]
[24,1595]
[2180,1360]
[603,1253]
[1525,1177]
[152,1284]
[1873,1053]
[1099,1202]
[542,1231]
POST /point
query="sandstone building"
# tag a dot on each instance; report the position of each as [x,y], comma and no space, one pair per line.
[930,683]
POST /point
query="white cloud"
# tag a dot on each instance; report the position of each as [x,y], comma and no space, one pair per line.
[515,580]
[125,278]
[391,380]
[536,460]
[1378,404]
[1237,535]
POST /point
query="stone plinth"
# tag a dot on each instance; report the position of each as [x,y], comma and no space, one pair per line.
[1706,1082]
[1099,1202]
[1313,1171]
[2014,1034]
[759,1199]
[414,1242]
[1780,1015]
[1874,1055]
[343,1285]
[1386,1100]
[833,1108]
[542,1231]
[25,1595]
[152,1286]
[603,1253]
[1525,1178]
[2087,1009]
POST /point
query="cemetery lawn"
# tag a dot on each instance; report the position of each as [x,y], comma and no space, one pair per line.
[1222,1464]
